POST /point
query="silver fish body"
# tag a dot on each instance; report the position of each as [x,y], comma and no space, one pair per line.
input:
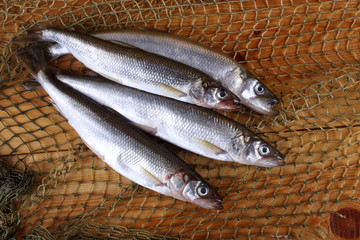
[232,75]
[143,70]
[196,129]
[126,149]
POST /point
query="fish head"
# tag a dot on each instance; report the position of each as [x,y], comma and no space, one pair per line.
[210,94]
[255,151]
[193,189]
[202,194]
[255,95]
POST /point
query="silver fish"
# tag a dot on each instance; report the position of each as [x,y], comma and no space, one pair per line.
[196,129]
[126,149]
[232,75]
[139,69]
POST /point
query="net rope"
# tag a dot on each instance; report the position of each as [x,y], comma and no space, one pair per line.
[306,52]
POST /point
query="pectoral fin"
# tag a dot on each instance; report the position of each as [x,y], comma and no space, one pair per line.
[145,128]
[111,78]
[123,44]
[210,147]
[172,92]
[102,157]
[155,181]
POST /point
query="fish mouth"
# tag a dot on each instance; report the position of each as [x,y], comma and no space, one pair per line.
[271,105]
[272,112]
[232,104]
[213,204]
[262,105]
[217,205]
[237,104]
[264,110]
[267,107]
[271,162]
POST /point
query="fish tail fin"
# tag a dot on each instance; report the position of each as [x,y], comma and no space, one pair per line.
[33,58]
[48,50]
[33,34]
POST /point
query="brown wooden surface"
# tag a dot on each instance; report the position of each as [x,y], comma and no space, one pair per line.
[306,52]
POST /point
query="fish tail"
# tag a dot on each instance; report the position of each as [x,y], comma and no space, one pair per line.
[33,34]
[33,58]
[46,48]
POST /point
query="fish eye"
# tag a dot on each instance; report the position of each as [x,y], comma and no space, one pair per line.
[259,89]
[264,150]
[202,190]
[222,94]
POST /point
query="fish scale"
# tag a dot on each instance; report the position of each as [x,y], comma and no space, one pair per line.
[196,129]
[126,149]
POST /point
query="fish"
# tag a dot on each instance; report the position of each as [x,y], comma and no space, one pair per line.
[193,128]
[219,66]
[139,69]
[126,149]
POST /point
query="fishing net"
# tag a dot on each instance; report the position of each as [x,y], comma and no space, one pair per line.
[306,52]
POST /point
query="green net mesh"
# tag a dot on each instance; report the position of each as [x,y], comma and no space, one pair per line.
[306,52]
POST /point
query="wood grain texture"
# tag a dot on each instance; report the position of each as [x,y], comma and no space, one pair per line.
[307,52]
